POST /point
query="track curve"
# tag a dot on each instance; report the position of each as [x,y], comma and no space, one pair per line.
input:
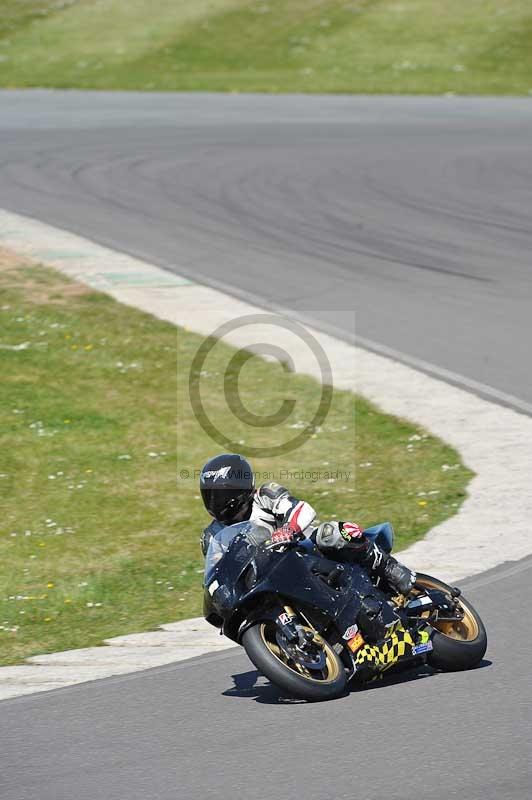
[417,212]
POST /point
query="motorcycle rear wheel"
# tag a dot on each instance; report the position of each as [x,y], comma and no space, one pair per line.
[261,646]
[456,645]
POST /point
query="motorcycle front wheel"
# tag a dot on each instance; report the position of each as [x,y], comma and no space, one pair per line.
[295,676]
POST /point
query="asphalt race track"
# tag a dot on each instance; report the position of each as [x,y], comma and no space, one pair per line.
[414,212]
[210,728]
[417,213]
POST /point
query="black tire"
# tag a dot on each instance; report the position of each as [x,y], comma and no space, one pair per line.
[288,679]
[449,653]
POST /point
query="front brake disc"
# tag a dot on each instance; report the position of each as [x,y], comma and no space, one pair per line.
[311,658]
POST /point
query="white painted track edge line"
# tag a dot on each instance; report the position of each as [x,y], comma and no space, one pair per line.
[174,666]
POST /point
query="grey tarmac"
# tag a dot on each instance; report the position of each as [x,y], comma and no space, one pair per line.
[414,211]
[212,728]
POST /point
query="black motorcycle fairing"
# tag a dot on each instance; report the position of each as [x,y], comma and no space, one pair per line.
[245,580]
[299,578]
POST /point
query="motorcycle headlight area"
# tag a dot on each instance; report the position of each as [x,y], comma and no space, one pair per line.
[221,595]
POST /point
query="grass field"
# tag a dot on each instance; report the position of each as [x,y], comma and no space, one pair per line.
[362,46]
[97,535]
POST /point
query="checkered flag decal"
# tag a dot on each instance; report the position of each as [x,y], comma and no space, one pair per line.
[383,656]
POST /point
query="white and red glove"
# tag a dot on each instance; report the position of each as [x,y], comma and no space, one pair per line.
[283,535]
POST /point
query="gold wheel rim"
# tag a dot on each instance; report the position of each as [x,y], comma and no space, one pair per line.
[332,668]
[465,630]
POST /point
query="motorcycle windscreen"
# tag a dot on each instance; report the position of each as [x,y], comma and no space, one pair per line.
[222,541]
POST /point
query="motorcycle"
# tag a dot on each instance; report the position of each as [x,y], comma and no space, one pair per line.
[311,625]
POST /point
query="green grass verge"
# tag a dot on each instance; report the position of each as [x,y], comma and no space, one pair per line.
[97,536]
[362,46]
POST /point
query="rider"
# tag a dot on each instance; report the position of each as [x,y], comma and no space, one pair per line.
[227,487]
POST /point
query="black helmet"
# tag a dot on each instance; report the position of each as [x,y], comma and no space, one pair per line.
[227,485]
